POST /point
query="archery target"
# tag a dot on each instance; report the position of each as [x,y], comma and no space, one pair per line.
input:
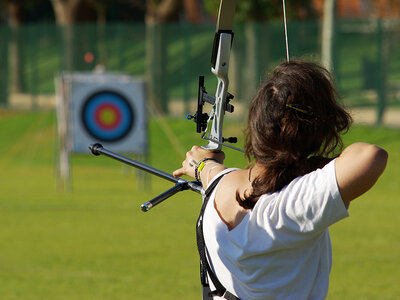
[107,116]
[109,109]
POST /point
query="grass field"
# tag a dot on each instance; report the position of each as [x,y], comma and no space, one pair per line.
[95,243]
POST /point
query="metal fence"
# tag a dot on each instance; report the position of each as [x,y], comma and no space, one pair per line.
[366,58]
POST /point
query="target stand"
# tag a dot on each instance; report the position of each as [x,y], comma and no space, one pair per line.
[107,108]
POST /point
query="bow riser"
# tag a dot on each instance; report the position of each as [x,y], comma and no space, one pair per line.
[220,70]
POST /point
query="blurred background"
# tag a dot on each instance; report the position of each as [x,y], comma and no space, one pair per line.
[168,43]
[86,238]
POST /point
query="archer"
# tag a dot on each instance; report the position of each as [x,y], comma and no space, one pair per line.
[263,231]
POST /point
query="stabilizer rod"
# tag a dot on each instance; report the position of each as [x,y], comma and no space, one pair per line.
[180,184]
[98,149]
[160,198]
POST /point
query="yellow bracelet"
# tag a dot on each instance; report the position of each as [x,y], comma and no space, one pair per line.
[200,167]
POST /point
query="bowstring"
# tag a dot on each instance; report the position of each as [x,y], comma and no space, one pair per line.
[286,33]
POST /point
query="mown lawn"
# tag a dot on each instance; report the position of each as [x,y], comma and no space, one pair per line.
[94,242]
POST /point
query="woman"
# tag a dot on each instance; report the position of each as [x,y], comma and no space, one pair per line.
[266,227]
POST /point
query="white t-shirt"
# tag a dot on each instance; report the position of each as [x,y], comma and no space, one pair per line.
[281,249]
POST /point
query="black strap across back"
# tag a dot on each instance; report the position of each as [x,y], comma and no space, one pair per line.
[205,267]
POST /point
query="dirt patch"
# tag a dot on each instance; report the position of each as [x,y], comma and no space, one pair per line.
[177,108]
[369,116]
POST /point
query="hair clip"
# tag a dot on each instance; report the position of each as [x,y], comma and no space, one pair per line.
[305,109]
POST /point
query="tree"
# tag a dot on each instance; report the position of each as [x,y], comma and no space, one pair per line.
[250,13]
[158,13]
[328,25]
[265,10]
[192,11]
[14,13]
[67,13]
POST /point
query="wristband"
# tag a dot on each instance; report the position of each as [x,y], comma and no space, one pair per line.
[200,165]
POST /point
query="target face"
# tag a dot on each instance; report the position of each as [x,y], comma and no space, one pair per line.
[107,116]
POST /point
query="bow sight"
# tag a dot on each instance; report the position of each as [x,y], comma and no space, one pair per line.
[201,119]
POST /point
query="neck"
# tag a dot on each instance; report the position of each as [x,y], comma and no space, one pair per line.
[255,171]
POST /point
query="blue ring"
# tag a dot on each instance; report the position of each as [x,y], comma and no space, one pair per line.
[120,103]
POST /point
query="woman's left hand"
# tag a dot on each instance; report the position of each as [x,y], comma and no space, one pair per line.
[195,155]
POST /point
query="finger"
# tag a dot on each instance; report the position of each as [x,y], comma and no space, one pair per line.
[178,173]
[221,156]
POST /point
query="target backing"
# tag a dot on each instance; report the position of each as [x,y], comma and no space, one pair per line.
[109,109]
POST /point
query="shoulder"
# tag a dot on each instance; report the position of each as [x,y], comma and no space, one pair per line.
[224,173]
[321,179]
[234,181]
[309,203]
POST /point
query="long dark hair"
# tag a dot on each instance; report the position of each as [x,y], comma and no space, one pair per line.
[294,126]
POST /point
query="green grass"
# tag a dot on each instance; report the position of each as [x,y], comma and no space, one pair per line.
[95,243]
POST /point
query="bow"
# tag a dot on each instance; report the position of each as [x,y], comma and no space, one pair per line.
[219,67]
[220,104]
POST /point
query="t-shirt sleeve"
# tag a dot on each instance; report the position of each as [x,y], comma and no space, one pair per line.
[309,204]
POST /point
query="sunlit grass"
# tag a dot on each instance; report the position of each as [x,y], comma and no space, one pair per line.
[95,243]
